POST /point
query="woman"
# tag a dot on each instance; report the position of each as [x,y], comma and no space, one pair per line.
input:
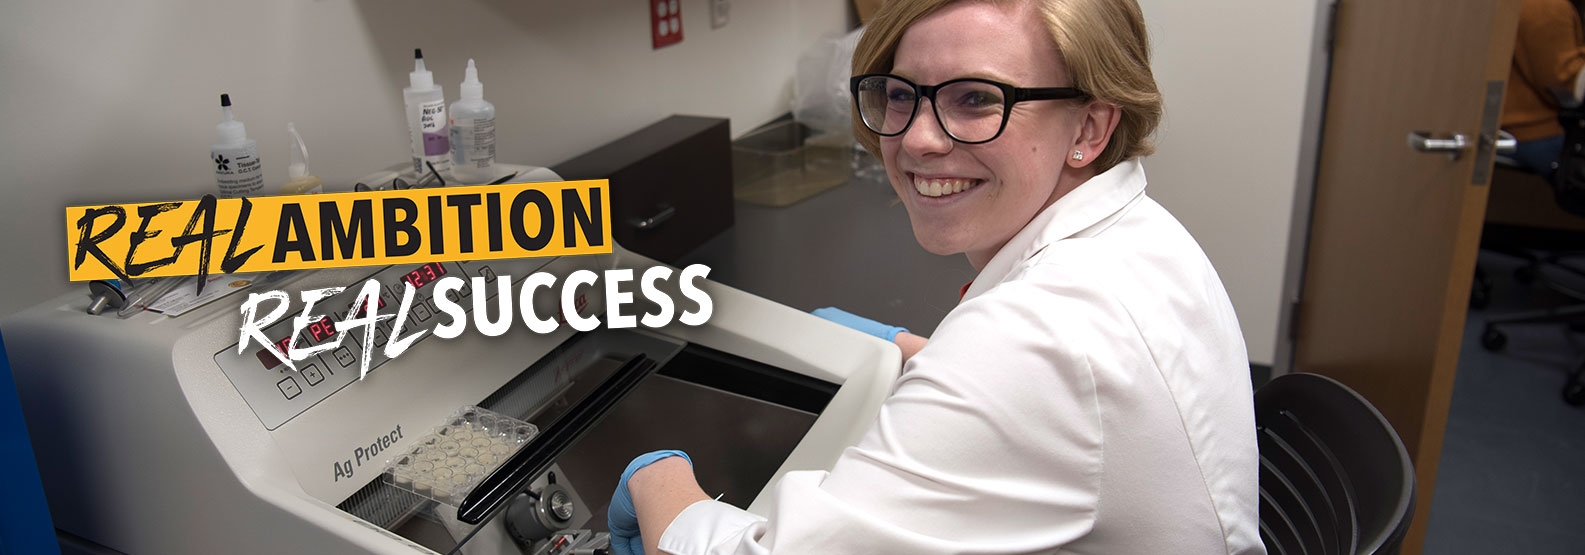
[1090,393]
[1546,75]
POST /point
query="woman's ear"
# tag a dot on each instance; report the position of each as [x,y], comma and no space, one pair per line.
[1097,121]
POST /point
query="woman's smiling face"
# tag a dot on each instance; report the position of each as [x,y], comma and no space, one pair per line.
[973,198]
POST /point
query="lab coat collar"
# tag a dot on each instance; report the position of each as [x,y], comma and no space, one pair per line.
[1094,202]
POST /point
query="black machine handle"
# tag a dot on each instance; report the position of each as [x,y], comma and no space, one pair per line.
[654,221]
[515,475]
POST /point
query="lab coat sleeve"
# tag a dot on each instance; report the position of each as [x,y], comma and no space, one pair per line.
[990,443]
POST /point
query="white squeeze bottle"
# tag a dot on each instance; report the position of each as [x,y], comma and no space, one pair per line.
[426,119]
[472,132]
[238,172]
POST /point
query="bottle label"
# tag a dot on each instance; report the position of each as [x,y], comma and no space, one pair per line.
[238,172]
[474,142]
[432,124]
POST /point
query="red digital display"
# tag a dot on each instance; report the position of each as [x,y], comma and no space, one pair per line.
[380,307]
[425,275]
[268,359]
[322,329]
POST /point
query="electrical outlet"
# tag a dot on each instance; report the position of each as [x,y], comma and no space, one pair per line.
[665,22]
[720,13]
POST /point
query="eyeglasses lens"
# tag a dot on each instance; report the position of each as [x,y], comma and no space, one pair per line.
[970,111]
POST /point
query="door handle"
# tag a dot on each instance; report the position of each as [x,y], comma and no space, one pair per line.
[1505,143]
[1453,147]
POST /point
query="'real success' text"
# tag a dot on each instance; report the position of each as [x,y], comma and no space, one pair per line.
[542,304]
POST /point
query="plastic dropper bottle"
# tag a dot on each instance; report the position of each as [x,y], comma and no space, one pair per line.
[426,119]
[472,132]
[238,172]
[299,181]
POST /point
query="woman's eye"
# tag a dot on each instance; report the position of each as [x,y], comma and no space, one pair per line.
[978,99]
[900,95]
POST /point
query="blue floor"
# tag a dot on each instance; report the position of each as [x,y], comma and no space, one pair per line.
[1512,474]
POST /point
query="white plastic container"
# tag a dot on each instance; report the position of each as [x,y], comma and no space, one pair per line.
[472,132]
[426,119]
[238,172]
[299,181]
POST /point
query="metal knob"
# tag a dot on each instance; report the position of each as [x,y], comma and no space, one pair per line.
[534,517]
[106,295]
[561,505]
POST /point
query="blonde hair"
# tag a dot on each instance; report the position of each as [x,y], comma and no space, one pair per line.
[1103,42]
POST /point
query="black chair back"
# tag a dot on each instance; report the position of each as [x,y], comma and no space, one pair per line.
[1334,476]
[1568,182]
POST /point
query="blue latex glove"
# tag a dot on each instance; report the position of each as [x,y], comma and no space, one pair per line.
[622,517]
[860,323]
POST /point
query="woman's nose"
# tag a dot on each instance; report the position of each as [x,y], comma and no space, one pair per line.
[926,136]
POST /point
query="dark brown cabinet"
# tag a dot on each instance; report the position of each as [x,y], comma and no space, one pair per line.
[670,183]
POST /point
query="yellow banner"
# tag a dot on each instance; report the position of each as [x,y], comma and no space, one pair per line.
[262,234]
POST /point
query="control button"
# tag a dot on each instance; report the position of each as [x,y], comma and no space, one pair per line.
[288,387]
[465,291]
[421,312]
[311,373]
[432,306]
[344,357]
[488,273]
[454,296]
[380,338]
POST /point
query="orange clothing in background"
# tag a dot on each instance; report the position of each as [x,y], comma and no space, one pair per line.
[1547,55]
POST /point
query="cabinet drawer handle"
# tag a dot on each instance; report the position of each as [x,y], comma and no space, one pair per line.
[666,212]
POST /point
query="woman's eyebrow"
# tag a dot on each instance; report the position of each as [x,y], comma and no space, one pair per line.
[970,75]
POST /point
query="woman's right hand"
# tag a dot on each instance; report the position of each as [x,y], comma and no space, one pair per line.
[622,516]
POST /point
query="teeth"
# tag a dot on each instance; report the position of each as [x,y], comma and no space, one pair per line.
[943,187]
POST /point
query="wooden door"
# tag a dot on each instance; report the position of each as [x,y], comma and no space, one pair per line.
[1394,231]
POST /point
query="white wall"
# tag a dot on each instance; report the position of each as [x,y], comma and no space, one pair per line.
[107,101]
[1236,77]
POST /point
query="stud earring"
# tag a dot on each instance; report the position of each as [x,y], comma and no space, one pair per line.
[1078,155]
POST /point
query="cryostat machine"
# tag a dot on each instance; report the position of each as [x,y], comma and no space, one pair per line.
[155,435]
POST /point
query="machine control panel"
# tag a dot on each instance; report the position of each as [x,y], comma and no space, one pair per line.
[277,393]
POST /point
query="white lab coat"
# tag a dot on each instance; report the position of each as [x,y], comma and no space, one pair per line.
[1090,394]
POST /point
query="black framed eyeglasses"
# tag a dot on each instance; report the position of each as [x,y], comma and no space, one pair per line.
[970,110]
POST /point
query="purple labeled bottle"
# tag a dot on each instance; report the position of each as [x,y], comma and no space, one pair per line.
[426,119]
